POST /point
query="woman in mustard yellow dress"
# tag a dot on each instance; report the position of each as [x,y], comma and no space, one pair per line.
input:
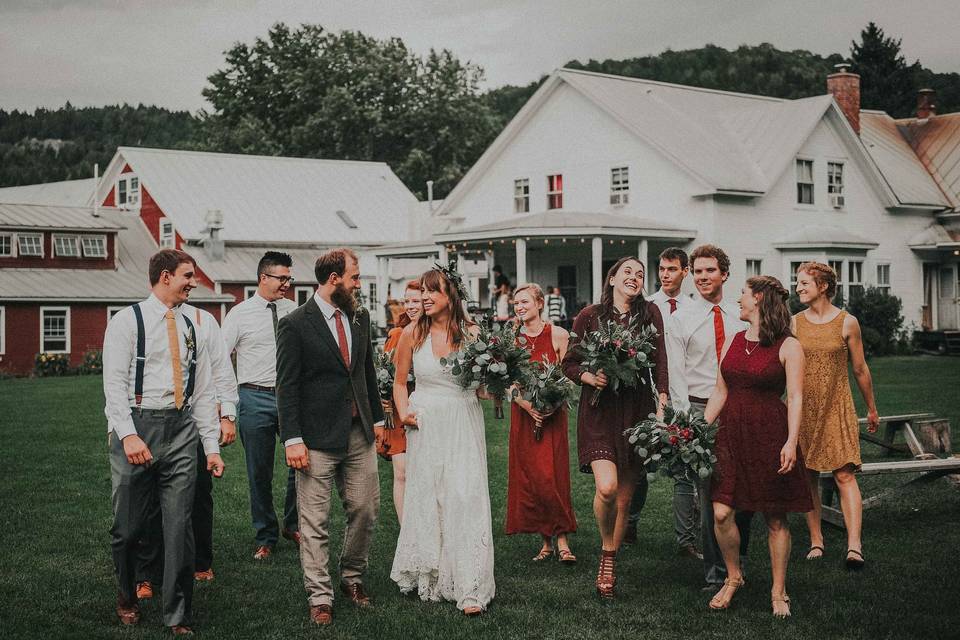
[829,431]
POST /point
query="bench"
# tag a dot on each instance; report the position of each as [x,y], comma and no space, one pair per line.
[891,425]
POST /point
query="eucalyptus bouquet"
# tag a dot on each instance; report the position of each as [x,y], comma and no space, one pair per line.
[681,444]
[493,360]
[547,389]
[386,372]
[623,353]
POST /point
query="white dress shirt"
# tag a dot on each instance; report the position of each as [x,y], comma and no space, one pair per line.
[120,367]
[696,339]
[329,311]
[675,355]
[224,381]
[248,330]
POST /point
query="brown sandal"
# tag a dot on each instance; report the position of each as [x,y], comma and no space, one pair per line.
[606,580]
[716,603]
[543,555]
[566,556]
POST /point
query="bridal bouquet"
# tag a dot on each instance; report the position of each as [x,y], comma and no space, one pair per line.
[547,389]
[494,360]
[386,371]
[622,353]
[681,444]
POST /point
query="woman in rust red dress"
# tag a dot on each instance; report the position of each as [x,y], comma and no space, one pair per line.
[392,443]
[603,450]
[538,484]
[758,465]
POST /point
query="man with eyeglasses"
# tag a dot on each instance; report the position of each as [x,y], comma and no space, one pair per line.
[250,329]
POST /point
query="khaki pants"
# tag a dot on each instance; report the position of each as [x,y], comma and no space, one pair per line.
[354,472]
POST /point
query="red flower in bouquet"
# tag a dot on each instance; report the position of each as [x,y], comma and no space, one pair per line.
[680,444]
[623,353]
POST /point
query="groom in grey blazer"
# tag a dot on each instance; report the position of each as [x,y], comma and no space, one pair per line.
[328,405]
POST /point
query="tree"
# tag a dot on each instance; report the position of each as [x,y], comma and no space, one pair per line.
[887,82]
[312,93]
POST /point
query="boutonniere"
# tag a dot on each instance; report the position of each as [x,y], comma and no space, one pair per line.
[191,345]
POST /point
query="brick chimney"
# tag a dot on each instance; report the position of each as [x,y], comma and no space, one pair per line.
[844,86]
[926,103]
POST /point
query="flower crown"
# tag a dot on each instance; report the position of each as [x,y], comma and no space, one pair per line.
[453,276]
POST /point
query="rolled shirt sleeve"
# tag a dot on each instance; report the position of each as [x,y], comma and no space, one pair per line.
[224,381]
[204,401]
[119,346]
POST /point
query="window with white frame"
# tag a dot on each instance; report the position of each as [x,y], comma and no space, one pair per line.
[302,294]
[372,292]
[854,278]
[837,266]
[128,191]
[248,292]
[804,181]
[754,268]
[883,277]
[3,330]
[619,185]
[7,245]
[66,246]
[167,237]
[55,329]
[30,244]
[521,195]
[793,273]
[112,311]
[94,246]
[555,191]
[835,184]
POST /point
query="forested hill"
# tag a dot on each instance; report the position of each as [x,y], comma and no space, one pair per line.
[63,144]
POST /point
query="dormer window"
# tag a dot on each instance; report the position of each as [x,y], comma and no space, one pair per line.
[30,244]
[167,239]
[128,191]
[66,246]
[94,246]
[6,245]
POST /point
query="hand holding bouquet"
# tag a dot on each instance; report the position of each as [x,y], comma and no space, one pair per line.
[622,353]
[547,390]
[681,443]
[386,371]
[493,360]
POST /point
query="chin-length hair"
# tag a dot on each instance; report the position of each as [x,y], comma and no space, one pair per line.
[434,280]
[639,307]
[772,305]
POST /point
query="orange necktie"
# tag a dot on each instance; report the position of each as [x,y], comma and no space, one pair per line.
[175,358]
[718,330]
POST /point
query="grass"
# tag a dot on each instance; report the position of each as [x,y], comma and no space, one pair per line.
[57,579]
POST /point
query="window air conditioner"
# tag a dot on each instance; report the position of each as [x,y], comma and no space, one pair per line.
[836,201]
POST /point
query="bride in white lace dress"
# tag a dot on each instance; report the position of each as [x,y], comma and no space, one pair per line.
[445,549]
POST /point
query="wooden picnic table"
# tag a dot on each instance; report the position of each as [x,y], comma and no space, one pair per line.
[891,425]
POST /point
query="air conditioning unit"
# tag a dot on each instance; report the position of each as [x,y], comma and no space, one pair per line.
[836,201]
[619,198]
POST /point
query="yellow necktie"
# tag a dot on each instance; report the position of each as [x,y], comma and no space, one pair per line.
[175,359]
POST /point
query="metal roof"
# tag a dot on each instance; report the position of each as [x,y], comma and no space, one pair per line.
[239,264]
[566,222]
[824,237]
[128,283]
[933,237]
[936,141]
[272,199]
[36,216]
[67,193]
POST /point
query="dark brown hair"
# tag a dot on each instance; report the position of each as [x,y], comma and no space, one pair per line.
[167,260]
[333,262]
[822,274]
[712,251]
[638,308]
[676,253]
[772,305]
[435,280]
[404,318]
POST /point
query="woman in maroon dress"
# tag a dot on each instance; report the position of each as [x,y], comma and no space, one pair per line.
[538,481]
[758,465]
[603,450]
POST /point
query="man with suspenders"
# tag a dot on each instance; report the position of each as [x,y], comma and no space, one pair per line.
[160,401]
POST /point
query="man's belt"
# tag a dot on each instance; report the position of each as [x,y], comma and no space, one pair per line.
[257,387]
[698,400]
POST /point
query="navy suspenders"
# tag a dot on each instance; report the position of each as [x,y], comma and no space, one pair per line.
[142,357]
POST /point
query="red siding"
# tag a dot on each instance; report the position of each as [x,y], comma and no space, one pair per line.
[49,261]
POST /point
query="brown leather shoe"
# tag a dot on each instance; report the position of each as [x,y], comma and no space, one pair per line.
[356,593]
[292,536]
[144,590]
[262,553]
[203,576]
[321,614]
[181,630]
[129,614]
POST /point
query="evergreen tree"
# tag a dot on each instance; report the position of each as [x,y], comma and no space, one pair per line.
[887,82]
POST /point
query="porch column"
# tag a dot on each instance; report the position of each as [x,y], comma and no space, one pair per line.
[597,267]
[643,252]
[521,261]
[382,283]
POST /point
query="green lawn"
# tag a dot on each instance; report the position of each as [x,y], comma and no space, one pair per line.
[57,580]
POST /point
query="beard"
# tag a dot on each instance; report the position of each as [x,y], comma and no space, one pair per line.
[345,299]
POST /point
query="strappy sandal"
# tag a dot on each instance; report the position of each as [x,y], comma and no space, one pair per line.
[566,556]
[732,584]
[855,564]
[606,580]
[785,599]
[815,547]
[543,555]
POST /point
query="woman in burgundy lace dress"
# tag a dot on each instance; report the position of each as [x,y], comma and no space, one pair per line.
[759,467]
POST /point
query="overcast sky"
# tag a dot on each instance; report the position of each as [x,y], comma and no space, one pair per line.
[95,52]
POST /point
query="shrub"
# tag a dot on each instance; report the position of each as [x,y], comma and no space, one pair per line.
[51,364]
[881,320]
[92,363]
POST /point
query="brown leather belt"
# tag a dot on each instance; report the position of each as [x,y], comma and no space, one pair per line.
[698,400]
[257,387]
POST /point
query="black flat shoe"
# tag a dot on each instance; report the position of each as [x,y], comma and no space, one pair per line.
[855,564]
[815,547]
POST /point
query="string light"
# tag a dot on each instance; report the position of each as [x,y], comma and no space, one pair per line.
[546,241]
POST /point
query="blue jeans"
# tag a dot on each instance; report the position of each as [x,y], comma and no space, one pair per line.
[259,429]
